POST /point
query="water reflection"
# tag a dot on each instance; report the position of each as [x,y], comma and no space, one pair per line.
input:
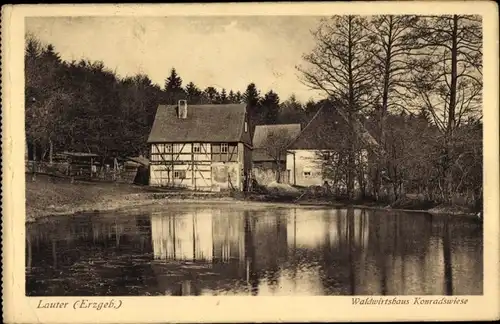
[281,251]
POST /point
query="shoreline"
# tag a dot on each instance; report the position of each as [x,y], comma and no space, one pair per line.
[145,200]
[45,198]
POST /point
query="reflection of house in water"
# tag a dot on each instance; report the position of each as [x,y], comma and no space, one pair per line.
[228,236]
[326,241]
[186,236]
[197,249]
[223,251]
[198,235]
[214,247]
[314,228]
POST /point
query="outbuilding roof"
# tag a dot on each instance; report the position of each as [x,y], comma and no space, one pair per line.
[262,132]
[326,130]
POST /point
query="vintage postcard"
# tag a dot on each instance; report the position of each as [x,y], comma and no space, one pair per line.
[250,162]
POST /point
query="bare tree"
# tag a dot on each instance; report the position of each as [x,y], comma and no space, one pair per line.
[393,40]
[340,66]
[275,145]
[448,80]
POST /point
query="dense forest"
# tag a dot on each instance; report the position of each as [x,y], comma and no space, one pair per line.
[85,107]
[414,82]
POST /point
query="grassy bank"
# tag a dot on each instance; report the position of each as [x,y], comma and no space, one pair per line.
[48,196]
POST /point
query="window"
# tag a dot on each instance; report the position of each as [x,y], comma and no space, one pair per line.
[246,126]
[196,148]
[180,174]
[307,174]
[224,148]
[168,148]
[177,148]
[154,153]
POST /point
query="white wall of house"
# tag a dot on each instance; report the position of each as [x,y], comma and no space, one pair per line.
[305,167]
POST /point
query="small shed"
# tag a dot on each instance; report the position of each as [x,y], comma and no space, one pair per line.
[135,170]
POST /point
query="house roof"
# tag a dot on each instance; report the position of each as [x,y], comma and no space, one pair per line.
[323,132]
[204,123]
[260,135]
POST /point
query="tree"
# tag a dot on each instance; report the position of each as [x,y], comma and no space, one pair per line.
[291,111]
[223,97]
[341,67]
[252,98]
[232,97]
[33,85]
[173,88]
[271,105]
[139,99]
[82,106]
[393,40]
[275,145]
[238,97]
[43,98]
[311,106]
[193,93]
[210,95]
[448,80]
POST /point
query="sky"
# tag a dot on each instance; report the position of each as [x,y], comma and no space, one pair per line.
[223,52]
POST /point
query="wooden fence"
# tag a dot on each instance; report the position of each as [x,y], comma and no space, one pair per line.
[125,173]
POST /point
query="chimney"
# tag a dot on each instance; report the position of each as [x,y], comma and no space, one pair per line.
[182,109]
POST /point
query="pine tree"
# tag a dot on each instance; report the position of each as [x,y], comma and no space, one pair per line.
[252,98]
[211,95]
[291,111]
[173,88]
[193,94]
[271,107]
[231,97]
[238,97]
[223,99]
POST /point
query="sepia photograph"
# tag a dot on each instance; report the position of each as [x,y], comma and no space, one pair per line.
[253,155]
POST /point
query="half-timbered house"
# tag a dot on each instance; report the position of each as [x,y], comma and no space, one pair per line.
[200,147]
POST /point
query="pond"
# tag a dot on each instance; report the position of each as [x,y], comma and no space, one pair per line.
[228,249]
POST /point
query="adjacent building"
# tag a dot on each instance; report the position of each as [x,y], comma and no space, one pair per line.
[322,140]
[265,164]
[200,147]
